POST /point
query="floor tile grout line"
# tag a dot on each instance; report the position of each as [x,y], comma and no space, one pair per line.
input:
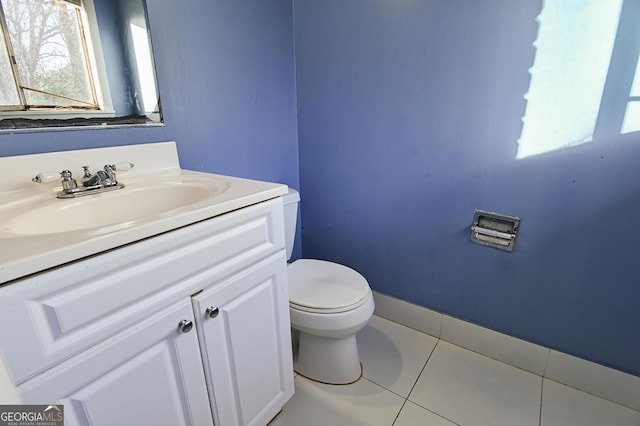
[469,349]
[541,397]
[590,394]
[426,409]
[543,375]
[415,382]
[364,373]
[490,357]
[406,399]
[466,349]
[406,402]
[390,391]
[438,340]
[398,415]
[383,387]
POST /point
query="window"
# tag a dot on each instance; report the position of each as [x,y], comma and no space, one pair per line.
[47,61]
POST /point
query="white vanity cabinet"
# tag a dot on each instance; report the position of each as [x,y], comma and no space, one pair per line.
[150,374]
[190,327]
[245,353]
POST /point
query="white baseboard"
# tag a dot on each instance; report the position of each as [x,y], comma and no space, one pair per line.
[604,382]
[504,348]
[408,314]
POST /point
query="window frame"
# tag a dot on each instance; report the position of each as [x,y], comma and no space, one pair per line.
[97,69]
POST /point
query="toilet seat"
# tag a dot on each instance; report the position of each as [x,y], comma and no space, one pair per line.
[324,287]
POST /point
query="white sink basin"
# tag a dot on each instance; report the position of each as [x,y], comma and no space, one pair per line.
[109,211]
[40,231]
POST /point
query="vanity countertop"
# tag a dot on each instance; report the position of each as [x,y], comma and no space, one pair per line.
[39,231]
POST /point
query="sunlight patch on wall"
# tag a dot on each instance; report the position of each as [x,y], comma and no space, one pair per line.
[631,121]
[574,46]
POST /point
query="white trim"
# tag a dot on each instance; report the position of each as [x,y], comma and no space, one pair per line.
[99,69]
[56,114]
[408,314]
[502,347]
[604,382]
[607,383]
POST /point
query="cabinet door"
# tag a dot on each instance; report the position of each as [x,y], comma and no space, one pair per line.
[61,312]
[245,336]
[150,374]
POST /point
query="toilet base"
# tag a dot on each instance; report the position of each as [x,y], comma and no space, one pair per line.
[328,360]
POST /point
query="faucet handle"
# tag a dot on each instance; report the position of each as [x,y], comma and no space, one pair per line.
[68,182]
[46,177]
[122,166]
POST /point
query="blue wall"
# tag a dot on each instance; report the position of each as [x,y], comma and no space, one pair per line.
[409,114]
[227,84]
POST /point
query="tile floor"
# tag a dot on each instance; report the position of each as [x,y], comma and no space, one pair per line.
[413,379]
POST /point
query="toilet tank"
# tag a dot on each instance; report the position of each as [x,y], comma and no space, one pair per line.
[290,201]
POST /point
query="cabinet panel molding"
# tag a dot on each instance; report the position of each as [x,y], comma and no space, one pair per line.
[148,374]
[246,348]
[58,313]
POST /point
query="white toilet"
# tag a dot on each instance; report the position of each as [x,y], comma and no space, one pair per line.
[328,304]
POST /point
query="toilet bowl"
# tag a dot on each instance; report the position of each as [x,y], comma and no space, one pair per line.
[328,304]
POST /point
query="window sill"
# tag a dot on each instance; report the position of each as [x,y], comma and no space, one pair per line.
[59,114]
[23,124]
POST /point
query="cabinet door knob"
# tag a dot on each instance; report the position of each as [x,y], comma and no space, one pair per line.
[212,311]
[185,326]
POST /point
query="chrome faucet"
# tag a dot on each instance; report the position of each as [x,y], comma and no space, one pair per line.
[106,177]
[102,181]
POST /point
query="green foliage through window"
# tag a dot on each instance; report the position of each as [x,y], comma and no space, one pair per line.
[45,60]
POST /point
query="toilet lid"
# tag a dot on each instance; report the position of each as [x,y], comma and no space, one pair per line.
[320,286]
